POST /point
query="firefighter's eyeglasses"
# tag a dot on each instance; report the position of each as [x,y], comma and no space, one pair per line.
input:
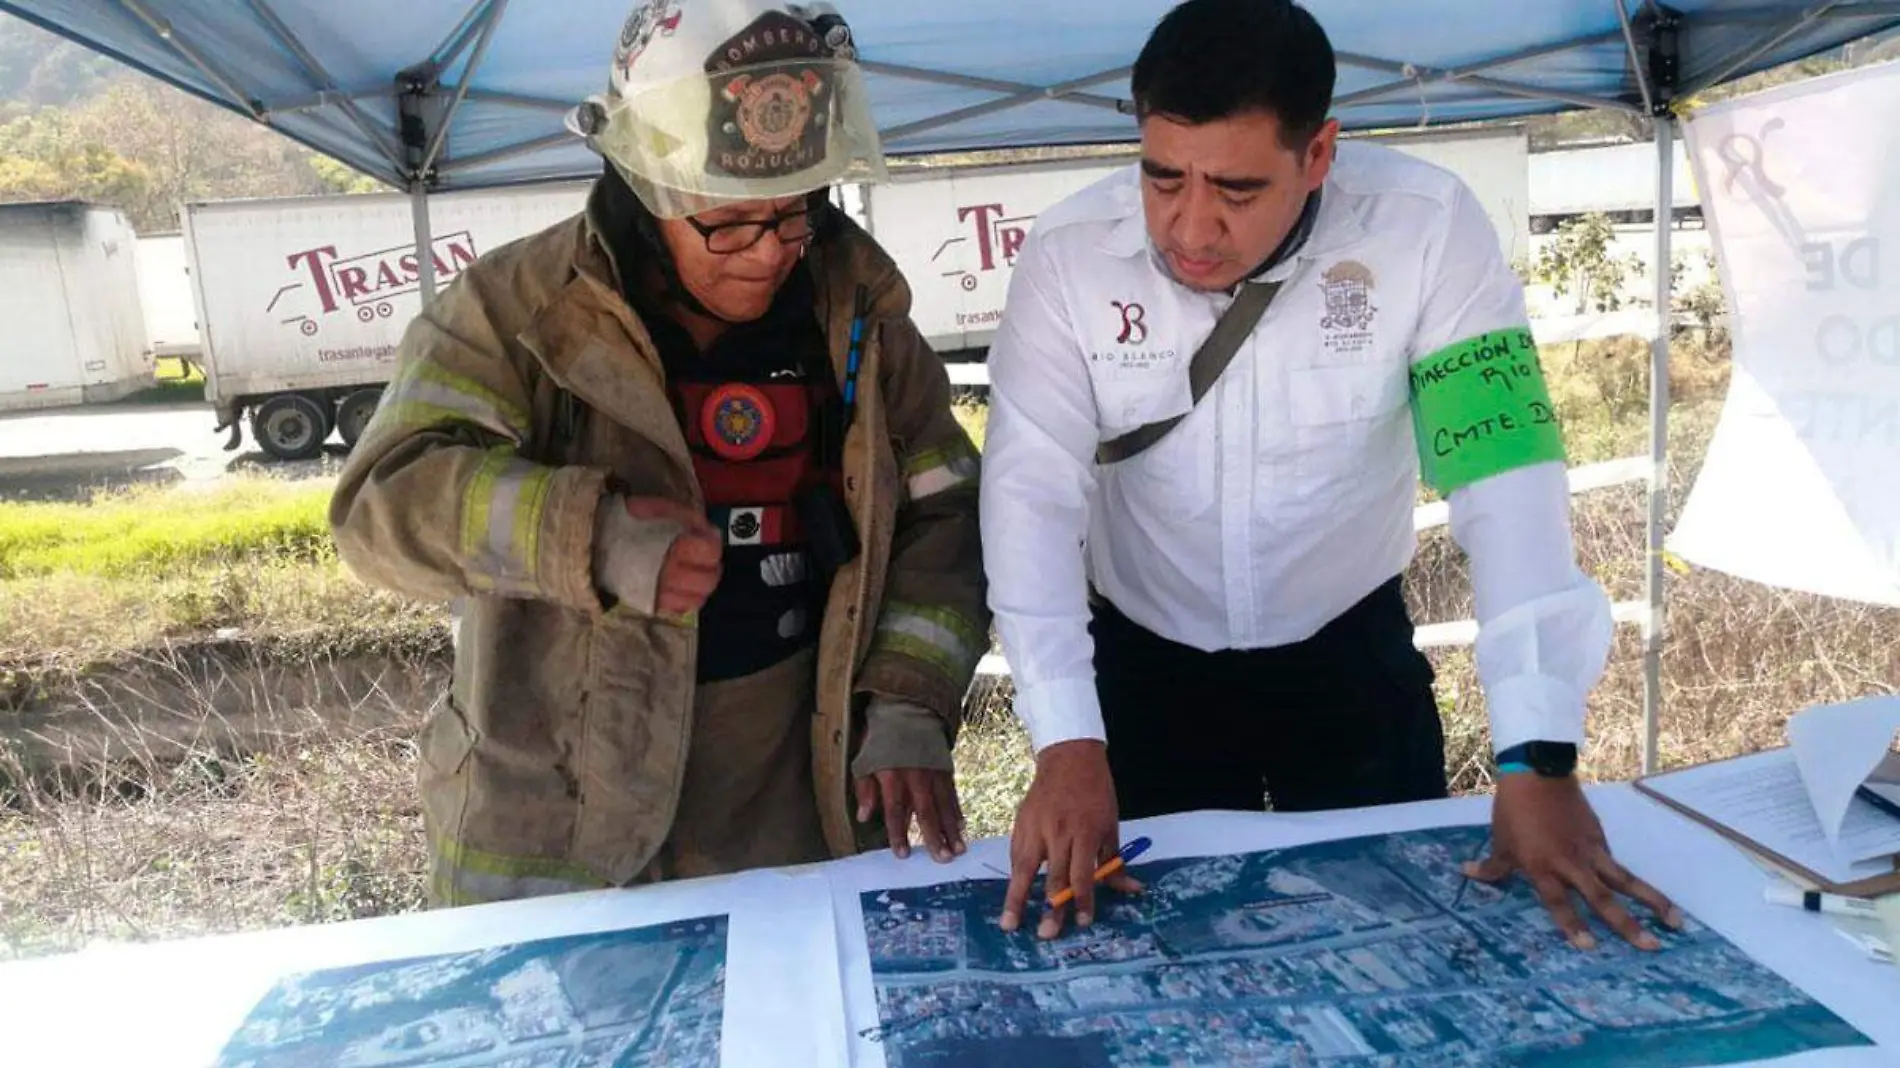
[727,238]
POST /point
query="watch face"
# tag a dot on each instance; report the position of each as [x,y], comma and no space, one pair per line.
[1553,759]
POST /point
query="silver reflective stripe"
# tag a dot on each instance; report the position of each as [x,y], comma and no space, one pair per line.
[946,476]
[932,635]
[502,521]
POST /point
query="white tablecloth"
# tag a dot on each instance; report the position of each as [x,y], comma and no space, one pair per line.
[796,990]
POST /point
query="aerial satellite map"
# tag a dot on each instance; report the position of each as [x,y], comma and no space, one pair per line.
[638,998]
[1369,951]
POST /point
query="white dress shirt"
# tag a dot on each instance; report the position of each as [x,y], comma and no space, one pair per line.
[1286,495]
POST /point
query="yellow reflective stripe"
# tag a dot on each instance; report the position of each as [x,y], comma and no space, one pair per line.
[536,484]
[464,875]
[940,470]
[502,511]
[429,390]
[936,636]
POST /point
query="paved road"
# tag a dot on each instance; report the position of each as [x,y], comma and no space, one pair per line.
[65,454]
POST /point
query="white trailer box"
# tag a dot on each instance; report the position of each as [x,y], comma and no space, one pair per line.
[171,315]
[302,301]
[956,232]
[1615,180]
[69,296]
[1495,163]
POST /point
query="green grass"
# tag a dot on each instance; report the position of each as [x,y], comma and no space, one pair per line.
[173,370]
[974,415]
[176,384]
[146,532]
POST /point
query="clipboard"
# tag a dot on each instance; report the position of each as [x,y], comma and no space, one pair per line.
[1873,886]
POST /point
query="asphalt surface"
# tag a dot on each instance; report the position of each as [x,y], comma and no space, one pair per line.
[68,454]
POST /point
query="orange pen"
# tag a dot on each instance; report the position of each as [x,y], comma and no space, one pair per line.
[1111,866]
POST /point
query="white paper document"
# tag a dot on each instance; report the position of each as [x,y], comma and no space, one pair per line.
[734,972]
[1800,801]
[1837,747]
[1763,798]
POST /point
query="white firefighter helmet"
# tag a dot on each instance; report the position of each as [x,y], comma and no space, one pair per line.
[717,101]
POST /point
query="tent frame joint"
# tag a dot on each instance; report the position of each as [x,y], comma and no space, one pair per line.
[1660,66]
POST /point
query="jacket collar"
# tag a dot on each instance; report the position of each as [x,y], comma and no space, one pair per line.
[574,335]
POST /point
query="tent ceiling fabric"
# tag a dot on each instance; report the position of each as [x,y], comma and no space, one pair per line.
[977,74]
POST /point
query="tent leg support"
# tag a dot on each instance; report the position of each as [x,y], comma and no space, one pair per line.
[1658,440]
[425,241]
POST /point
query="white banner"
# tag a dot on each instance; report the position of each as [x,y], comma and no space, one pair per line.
[1801,189]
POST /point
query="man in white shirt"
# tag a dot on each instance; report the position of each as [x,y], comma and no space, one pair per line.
[1215,619]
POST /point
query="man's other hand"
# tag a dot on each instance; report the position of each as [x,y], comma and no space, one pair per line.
[1068,821]
[1545,830]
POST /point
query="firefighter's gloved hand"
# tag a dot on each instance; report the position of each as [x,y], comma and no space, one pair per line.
[904,769]
[659,556]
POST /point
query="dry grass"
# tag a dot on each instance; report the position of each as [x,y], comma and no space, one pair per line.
[186,818]
[197,797]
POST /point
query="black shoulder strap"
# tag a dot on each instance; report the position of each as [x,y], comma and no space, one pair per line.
[1209,361]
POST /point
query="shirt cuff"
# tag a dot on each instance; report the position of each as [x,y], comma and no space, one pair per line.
[1539,661]
[899,734]
[1533,708]
[1060,710]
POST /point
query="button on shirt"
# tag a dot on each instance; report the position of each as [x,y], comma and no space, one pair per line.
[1287,494]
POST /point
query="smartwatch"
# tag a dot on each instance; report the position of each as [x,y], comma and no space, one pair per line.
[1550,760]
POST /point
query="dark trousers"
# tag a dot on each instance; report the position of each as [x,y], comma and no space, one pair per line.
[1344,719]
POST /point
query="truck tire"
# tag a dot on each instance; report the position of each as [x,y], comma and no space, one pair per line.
[290,426]
[353,414]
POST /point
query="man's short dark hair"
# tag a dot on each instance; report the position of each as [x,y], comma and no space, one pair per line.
[1214,59]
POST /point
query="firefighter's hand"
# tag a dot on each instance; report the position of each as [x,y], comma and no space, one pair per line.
[691,569]
[904,769]
[659,556]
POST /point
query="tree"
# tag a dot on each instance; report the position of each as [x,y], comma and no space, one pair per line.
[340,177]
[1579,261]
[47,157]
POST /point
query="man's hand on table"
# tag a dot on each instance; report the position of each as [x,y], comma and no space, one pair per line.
[1543,828]
[1068,820]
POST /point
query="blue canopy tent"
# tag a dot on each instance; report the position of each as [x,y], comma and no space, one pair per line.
[461,94]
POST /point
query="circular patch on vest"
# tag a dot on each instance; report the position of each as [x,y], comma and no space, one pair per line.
[737,422]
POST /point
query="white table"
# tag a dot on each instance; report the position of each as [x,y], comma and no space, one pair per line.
[797,990]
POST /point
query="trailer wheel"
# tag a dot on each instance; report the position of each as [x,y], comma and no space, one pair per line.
[290,426]
[354,414]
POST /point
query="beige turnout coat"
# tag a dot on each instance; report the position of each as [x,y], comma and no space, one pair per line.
[522,393]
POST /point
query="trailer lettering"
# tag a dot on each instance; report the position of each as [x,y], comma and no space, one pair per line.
[997,238]
[355,282]
[368,282]
[318,275]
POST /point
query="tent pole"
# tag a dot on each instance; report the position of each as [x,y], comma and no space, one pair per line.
[425,241]
[1658,437]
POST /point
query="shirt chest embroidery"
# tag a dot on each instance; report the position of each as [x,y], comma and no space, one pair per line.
[1123,344]
[1347,312]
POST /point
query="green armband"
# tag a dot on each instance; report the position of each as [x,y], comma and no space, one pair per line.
[1480,408]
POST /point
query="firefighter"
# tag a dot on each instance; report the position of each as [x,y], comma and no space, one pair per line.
[693,475]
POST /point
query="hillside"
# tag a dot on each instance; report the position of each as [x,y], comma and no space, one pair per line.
[74,125]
